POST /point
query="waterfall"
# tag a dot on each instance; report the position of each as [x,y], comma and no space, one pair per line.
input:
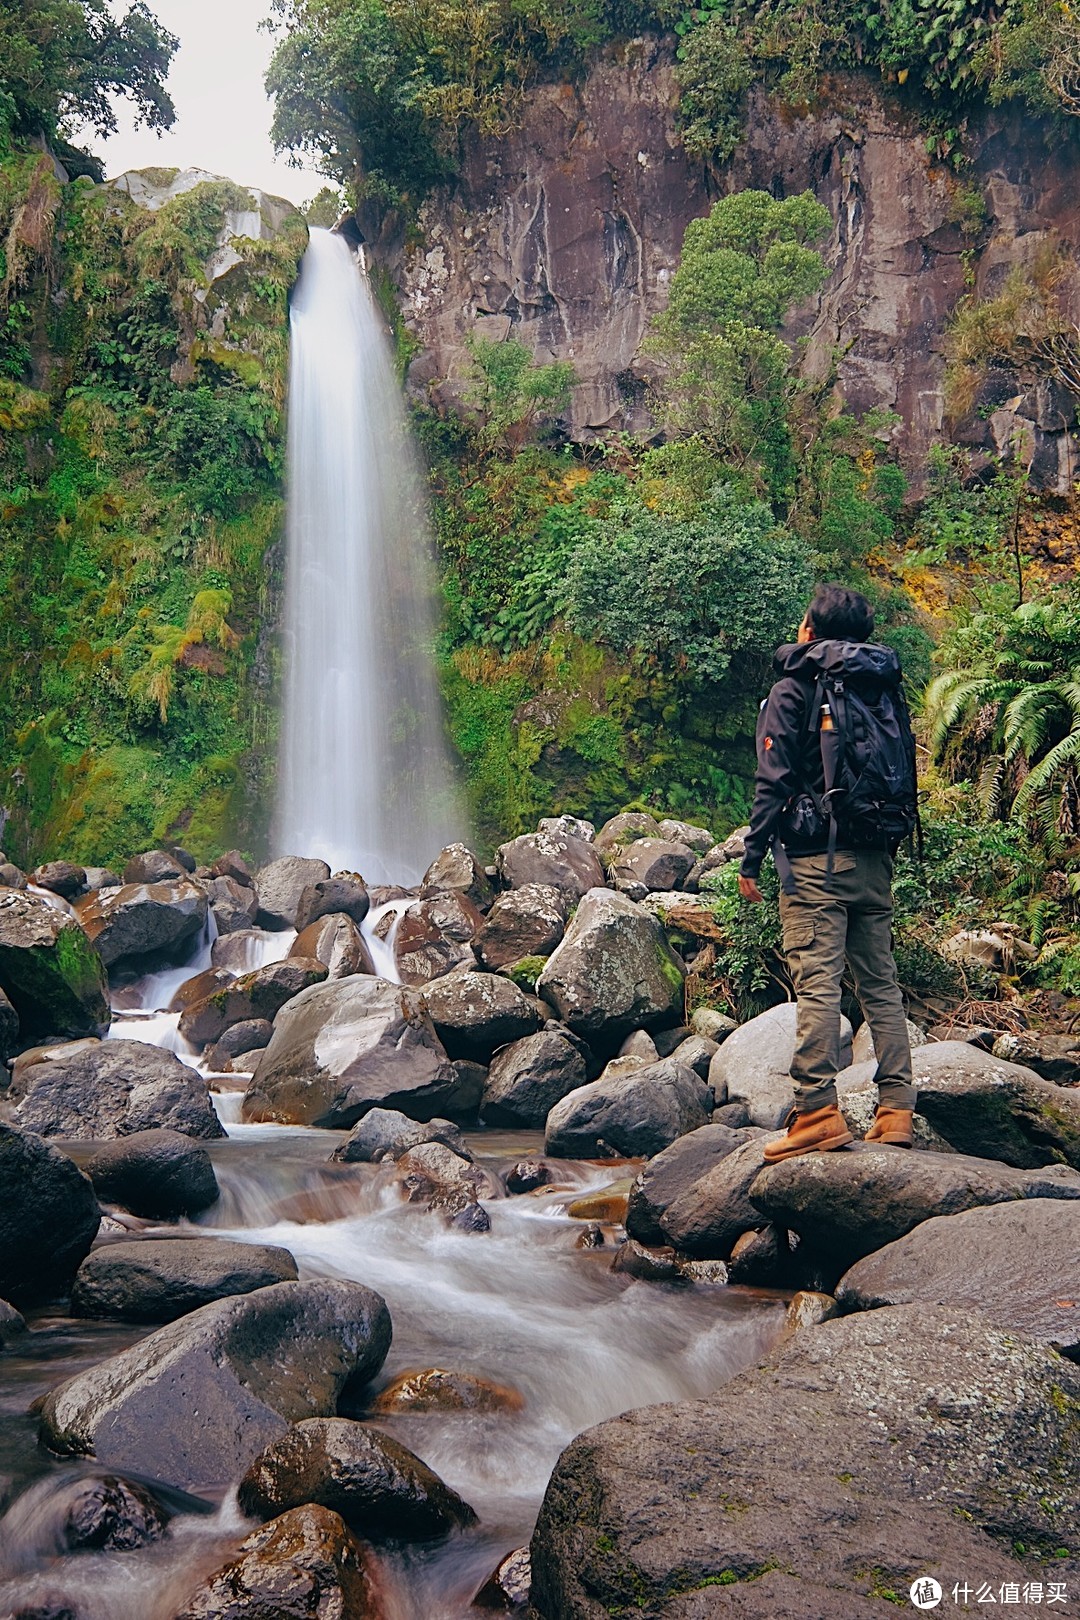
[365,780]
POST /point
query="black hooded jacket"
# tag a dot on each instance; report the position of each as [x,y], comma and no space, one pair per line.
[789,753]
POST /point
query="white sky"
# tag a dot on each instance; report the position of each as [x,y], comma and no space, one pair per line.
[222,111]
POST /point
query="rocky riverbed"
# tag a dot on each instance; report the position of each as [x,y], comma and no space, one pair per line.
[350,1237]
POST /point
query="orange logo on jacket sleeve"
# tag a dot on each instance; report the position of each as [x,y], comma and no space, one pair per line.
[767,744]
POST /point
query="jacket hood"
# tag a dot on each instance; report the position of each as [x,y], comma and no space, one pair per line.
[863,661]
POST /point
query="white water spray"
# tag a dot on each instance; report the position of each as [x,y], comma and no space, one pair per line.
[366,781]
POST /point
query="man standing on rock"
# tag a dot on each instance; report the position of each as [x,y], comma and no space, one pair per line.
[834,796]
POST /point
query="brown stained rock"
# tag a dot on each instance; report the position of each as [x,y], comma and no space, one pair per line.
[457,868]
[506,1589]
[433,937]
[607,1204]
[261,994]
[143,919]
[336,942]
[60,877]
[524,922]
[527,1175]
[198,987]
[304,1565]
[435,1389]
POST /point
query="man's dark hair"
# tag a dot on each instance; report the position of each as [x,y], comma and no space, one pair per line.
[837,614]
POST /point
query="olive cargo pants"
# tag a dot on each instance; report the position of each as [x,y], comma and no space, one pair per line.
[821,931]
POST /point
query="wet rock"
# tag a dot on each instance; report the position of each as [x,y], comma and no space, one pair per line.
[344,894]
[435,1389]
[527,1079]
[993,1109]
[12,1325]
[157,1174]
[337,943]
[625,829]
[49,1217]
[712,1025]
[260,994]
[1017,1264]
[379,1487]
[665,1194]
[506,1589]
[908,1476]
[156,866]
[81,1513]
[614,970]
[655,862]
[250,1035]
[239,952]
[647,1265]
[704,1213]
[457,868]
[592,1237]
[115,1088]
[846,1205]
[1052,1057]
[143,919]
[342,1048]
[304,1565]
[433,938]
[152,1281]
[606,1204]
[557,860]
[636,1116]
[233,865]
[862,1047]
[809,1309]
[259,1362]
[753,1065]
[280,885]
[384,1133]
[49,972]
[524,922]
[760,1259]
[476,1013]
[60,877]
[527,1175]
[699,839]
[235,905]
[198,987]
[434,1175]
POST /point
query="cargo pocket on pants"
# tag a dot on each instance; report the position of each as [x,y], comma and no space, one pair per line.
[798,933]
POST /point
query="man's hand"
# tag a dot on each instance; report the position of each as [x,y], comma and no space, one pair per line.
[749,890]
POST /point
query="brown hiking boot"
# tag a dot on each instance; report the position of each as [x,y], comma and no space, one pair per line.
[816,1132]
[891,1125]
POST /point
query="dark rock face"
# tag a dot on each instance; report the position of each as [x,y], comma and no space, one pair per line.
[656,862]
[555,859]
[527,921]
[261,994]
[433,937]
[159,1281]
[49,1217]
[380,1489]
[506,1589]
[115,1088]
[994,1109]
[638,1115]
[475,1013]
[281,883]
[527,1079]
[143,919]
[704,1212]
[337,943]
[717,1506]
[158,1174]
[345,893]
[666,1191]
[12,1324]
[85,1513]
[1017,1264]
[235,905]
[385,1133]
[845,1205]
[434,1175]
[614,970]
[752,1066]
[49,972]
[9,1029]
[250,1035]
[457,868]
[342,1048]
[60,877]
[305,1565]
[259,1362]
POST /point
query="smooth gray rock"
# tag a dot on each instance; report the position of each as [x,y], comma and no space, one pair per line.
[336,942]
[235,905]
[281,883]
[527,1079]
[115,1088]
[344,1047]
[144,919]
[476,1013]
[343,894]
[1016,1264]
[699,839]
[994,1109]
[258,1363]
[157,1174]
[614,970]
[638,1115]
[665,1193]
[433,937]
[49,1217]
[49,972]
[523,922]
[250,1035]
[557,859]
[753,1065]
[862,1047]
[385,1133]
[158,1281]
[659,864]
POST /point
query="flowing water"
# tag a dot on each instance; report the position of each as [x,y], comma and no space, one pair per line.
[366,781]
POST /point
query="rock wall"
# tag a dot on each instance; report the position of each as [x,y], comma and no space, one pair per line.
[566,234]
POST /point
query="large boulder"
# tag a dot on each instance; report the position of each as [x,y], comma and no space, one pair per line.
[433,937]
[49,971]
[195,1402]
[157,866]
[655,862]
[49,1217]
[235,905]
[614,970]
[1016,1264]
[476,1013]
[337,943]
[867,1451]
[668,1183]
[280,885]
[60,877]
[144,919]
[635,1116]
[385,1133]
[995,1109]
[556,859]
[625,829]
[157,1174]
[753,1065]
[305,1565]
[345,893]
[115,1088]
[378,1486]
[699,839]
[346,1046]
[698,1199]
[845,1205]
[457,868]
[526,1079]
[527,921]
[152,1281]
[9,1029]
[261,994]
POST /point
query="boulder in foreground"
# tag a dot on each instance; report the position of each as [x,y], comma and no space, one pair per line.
[994,1109]
[159,1174]
[153,1281]
[49,1217]
[753,1065]
[636,1115]
[49,971]
[614,970]
[305,1565]
[105,1089]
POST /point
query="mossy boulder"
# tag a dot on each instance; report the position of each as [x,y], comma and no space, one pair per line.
[49,970]
[613,972]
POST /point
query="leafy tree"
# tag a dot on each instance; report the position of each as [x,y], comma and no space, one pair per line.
[1027,325]
[512,394]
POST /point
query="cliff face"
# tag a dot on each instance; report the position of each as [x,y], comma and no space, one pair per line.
[566,234]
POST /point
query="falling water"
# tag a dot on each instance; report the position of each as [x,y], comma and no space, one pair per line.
[366,781]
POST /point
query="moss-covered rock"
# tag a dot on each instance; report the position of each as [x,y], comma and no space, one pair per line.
[49,970]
